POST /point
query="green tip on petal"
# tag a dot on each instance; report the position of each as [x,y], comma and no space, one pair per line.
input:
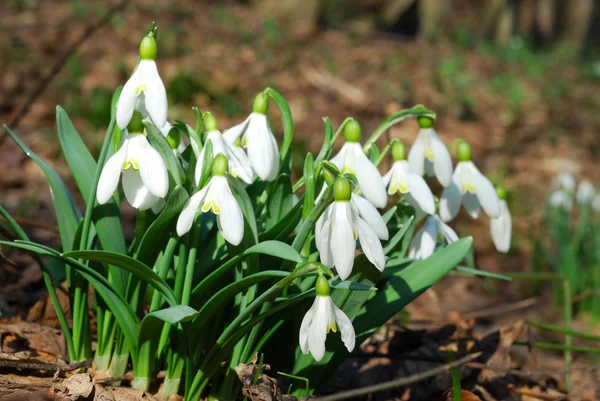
[501,191]
[148,48]
[174,138]
[425,122]
[210,123]
[342,191]
[220,165]
[352,131]
[463,151]
[261,103]
[398,151]
[136,124]
[322,286]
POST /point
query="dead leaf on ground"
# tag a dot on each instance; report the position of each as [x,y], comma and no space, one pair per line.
[35,339]
[501,361]
[464,395]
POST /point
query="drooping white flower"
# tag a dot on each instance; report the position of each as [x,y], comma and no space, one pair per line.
[322,317]
[351,158]
[585,192]
[561,199]
[239,165]
[145,178]
[217,197]
[501,227]
[564,181]
[596,203]
[144,91]
[349,218]
[413,187]
[470,188]
[429,154]
[258,140]
[432,233]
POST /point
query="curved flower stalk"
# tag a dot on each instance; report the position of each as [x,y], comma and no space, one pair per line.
[349,218]
[144,91]
[322,317]
[401,179]
[585,192]
[351,158]
[239,165]
[258,140]
[218,198]
[470,188]
[501,227]
[434,232]
[429,154]
[145,177]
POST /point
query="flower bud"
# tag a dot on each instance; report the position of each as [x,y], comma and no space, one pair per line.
[342,191]
[210,123]
[148,48]
[463,151]
[261,103]
[136,125]
[352,131]
[328,177]
[398,151]
[220,165]
[425,122]
[322,286]
[174,138]
[501,191]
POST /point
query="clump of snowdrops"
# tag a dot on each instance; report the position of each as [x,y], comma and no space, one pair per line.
[230,257]
[571,241]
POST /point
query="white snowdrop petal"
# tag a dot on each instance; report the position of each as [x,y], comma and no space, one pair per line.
[428,239]
[442,162]
[501,228]
[230,219]
[235,132]
[239,164]
[186,218]
[420,191]
[305,328]
[156,94]
[262,148]
[322,237]
[486,193]
[338,159]
[370,244]
[447,232]
[109,177]
[127,100]
[136,193]
[416,155]
[414,249]
[346,328]
[369,178]
[318,330]
[450,201]
[343,241]
[471,204]
[368,212]
[153,169]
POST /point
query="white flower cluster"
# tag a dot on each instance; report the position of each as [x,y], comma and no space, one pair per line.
[249,151]
[563,189]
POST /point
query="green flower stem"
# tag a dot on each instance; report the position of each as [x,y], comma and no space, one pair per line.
[563,330]
[163,269]
[414,112]
[385,151]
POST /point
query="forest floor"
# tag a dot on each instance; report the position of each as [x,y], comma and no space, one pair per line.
[527,116]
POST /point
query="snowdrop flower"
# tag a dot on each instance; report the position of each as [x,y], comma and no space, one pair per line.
[501,227]
[351,158]
[470,188]
[585,192]
[145,178]
[349,218]
[173,137]
[239,165]
[564,181]
[432,233]
[144,91]
[561,199]
[217,197]
[258,140]
[429,154]
[322,317]
[401,179]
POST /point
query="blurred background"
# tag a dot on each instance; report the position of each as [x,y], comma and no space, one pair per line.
[519,80]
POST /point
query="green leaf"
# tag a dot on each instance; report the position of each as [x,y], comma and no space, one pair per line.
[137,268]
[275,248]
[482,273]
[350,285]
[125,316]
[158,232]
[309,185]
[281,200]
[327,147]
[391,244]
[159,142]
[245,204]
[67,212]
[286,225]
[286,119]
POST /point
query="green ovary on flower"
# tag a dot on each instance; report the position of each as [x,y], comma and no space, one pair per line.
[352,131]
[342,190]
